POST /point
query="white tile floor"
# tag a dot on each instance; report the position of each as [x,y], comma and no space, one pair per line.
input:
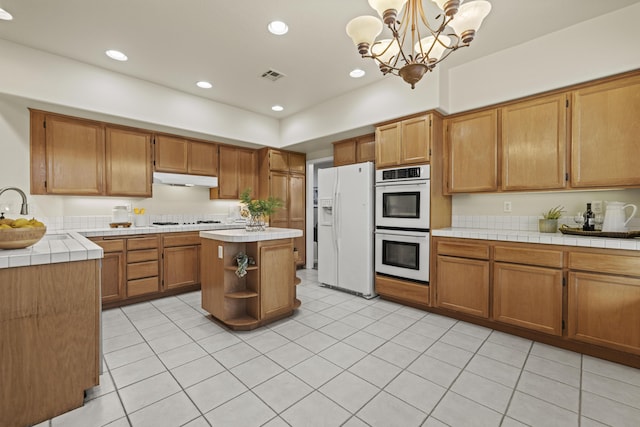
[342,361]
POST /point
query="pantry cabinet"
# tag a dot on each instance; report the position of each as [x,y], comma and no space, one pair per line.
[180,155]
[403,143]
[604,134]
[534,144]
[463,277]
[237,172]
[471,151]
[355,150]
[282,176]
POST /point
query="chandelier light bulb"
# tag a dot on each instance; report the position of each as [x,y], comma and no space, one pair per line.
[469,18]
[387,9]
[363,30]
[439,46]
[385,50]
[449,7]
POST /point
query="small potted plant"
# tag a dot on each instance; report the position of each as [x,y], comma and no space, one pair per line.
[256,210]
[549,221]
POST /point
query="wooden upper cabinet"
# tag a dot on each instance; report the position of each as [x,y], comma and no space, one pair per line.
[355,150]
[238,171]
[297,162]
[179,155]
[278,161]
[534,144]
[471,152]
[75,156]
[403,143]
[128,162]
[203,158]
[171,154]
[604,137]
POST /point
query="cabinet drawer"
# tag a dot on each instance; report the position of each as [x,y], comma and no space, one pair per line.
[142,255]
[529,256]
[110,245]
[142,269]
[143,286]
[189,239]
[142,243]
[405,291]
[603,263]
[465,250]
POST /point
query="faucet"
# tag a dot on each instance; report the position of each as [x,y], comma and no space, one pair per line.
[24,210]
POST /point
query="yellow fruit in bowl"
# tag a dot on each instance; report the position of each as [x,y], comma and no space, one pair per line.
[3,226]
[19,223]
[6,221]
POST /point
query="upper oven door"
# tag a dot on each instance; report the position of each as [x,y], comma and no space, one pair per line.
[403,205]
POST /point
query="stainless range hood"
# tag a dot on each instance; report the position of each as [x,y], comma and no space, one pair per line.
[184,180]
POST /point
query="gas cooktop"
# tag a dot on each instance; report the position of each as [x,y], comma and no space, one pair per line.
[187,223]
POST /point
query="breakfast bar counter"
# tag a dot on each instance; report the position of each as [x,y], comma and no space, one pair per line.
[248,277]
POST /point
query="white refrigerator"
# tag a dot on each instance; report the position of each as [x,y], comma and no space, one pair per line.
[345,228]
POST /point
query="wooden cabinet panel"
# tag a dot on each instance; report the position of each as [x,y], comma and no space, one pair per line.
[128,162]
[113,265]
[75,156]
[247,171]
[237,172]
[142,255]
[471,150]
[142,269]
[203,158]
[276,268]
[530,297]
[142,243]
[344,152]
[388,145]
[604,137]
[528,255]
[534,144]
[297,200]
[297,162]
[181,239]
[604,310]
[171,154]
[598,262]
[148,285]
[366,148]
[465,250]
[279,188]
[463,285]
[416,141]
[402,290]
[279,161]
[181,266]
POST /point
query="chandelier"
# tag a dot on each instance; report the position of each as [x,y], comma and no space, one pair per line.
[455,27]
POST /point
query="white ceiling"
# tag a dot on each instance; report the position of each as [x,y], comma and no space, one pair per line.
[175,43]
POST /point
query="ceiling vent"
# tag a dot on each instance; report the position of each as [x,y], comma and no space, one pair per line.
[272,75]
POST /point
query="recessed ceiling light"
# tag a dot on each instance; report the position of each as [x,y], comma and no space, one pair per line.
[117,55]
[277,108]
[204,85]
[357,73]
[5,16]
[278,28]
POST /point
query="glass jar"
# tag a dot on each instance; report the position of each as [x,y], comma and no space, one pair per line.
[119,214]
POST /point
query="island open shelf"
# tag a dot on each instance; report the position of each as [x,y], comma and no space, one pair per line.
[265,293]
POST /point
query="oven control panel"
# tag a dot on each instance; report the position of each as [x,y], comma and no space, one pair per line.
[403,174]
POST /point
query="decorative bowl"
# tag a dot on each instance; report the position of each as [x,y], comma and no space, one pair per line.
[18,238]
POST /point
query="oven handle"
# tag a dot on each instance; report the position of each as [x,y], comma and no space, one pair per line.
[417,234]
[402,183]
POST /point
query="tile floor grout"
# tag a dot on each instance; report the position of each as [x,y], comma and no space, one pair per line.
[371,400]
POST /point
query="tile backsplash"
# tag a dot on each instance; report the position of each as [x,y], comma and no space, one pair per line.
[88,222]
[513,222]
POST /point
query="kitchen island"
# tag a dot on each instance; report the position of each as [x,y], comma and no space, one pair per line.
[49,327]
[261,292]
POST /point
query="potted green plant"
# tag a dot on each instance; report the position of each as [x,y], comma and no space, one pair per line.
[256,210]
[549,221]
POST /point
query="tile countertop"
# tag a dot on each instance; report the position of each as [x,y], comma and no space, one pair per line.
[67,245]
[537,237]
[251,236]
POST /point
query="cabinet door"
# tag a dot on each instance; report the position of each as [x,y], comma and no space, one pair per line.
[534,144]
[113,266]
[388,145]
[75,156]
[276,280]
[279,188]
[530,297]
[128,163]
[604,310]
[344,152]
[604,137]
[247,171]
[203,158]
[228,178]
[181,266]
[278,161]
[297,162]
[415,141]
[366,148]
[463,285]
[171,154]
[471,150]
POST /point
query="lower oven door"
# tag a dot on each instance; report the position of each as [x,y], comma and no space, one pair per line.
[403,254]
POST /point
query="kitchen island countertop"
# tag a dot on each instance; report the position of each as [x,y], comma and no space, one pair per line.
[537,237]
[242,235]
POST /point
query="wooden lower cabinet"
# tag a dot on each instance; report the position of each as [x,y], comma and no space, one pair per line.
[403,291]
[180,260]
[113,269]
[463,285]
[276,268]
[528,296]
[604,310]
